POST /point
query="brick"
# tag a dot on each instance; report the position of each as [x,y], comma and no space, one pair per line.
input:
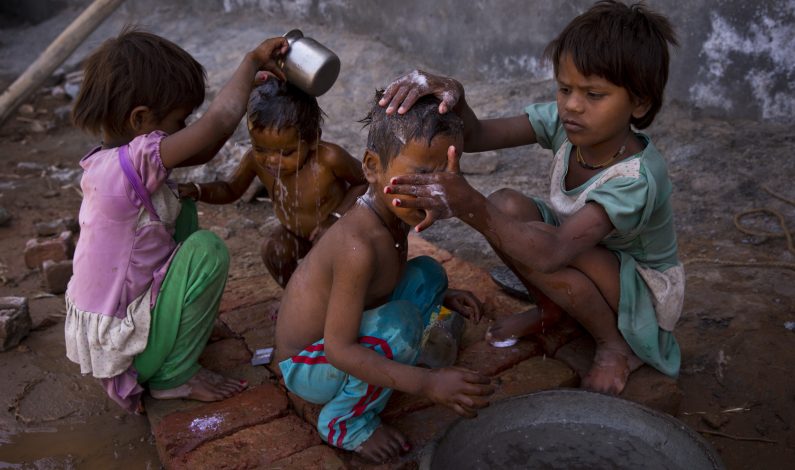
[225,354]
[488,360]
[532,375]
[403,403]
[56,275]
[309,412]
[320,457]
[179,433]
[15,322]
[253,447]
[646,385]
[54,227]
[256,324]
[246,291]
[560,334]
[37,251]
[424,426]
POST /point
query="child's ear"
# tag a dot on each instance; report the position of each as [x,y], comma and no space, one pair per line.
[642,106]
[140,118]
[371,165]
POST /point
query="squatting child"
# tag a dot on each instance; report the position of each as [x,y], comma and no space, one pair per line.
[352,316]
[603,246]
[310,181]
[146,285]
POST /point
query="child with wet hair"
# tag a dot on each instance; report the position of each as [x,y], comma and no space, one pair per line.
[310,181]
[352,315]
[144,294]
[603,247]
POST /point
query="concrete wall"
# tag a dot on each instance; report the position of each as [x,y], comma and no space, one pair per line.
[737,58]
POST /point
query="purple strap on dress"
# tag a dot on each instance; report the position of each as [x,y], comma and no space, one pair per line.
[135,181]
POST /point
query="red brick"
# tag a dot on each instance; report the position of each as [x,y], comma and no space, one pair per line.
[305,410]
[56,275]
[560,334]
[532,375]
[488,360]
[243,292]
[37,251]
[253,447]
[221,356]
[181,432]
[316,457]
[424,426]
[403,403]
[256,324]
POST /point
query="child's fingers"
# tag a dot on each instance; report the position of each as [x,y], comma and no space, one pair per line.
[463,411]
[453,160]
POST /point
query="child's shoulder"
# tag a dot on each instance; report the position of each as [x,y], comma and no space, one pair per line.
[331,154]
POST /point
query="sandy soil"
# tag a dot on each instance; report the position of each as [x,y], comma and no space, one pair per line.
[738,356]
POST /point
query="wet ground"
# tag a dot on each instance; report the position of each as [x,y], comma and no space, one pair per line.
[738,354]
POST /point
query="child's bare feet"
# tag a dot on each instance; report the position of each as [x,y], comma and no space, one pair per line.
[205,385]
[610,369]
[385,444]
[506,331]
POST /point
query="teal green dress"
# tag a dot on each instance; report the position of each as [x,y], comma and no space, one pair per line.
[636,195]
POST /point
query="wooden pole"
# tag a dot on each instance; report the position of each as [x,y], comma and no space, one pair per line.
[55,54]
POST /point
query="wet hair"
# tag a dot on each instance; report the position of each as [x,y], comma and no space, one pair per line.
[627,45]
[136,68]
[390,133]
[278,105]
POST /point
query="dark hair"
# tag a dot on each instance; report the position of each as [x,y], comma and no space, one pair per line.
[627,45]
[136,69]
[390,133]
[276,105]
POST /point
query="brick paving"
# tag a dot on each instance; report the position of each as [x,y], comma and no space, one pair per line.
[268,427]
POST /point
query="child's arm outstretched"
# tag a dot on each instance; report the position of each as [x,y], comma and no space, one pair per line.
[223,192]
[460,389]
[226,110]
[479,134]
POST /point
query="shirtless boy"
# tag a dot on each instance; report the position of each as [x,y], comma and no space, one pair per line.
[357,336]
[311,182]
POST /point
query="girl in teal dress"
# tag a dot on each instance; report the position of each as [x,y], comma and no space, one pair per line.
[602,247]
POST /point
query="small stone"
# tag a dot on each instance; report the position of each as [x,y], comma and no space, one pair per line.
[715,420]
[222,232]
[5,217]
[56,275]
[55,249]
[15,322]
[50,194]
[27,110]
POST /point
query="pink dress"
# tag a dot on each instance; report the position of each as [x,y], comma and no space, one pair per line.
[120,261]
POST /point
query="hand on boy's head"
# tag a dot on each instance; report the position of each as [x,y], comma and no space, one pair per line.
[403,92]
[462,390]
[465,303]
[438,194]
[267,54]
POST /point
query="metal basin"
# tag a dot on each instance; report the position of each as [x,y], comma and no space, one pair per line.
[570,429]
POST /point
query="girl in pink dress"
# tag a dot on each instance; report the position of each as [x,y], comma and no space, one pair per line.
[146,285]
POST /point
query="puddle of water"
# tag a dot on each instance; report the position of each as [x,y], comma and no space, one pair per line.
[104,443]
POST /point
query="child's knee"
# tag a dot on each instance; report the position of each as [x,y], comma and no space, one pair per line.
[396,331]
[212,248]
[508,201]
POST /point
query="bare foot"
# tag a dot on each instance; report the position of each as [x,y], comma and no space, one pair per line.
[385,444]
[205,385]
[610,369]
[505,332]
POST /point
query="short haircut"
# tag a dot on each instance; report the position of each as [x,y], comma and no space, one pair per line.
[136,69]
[390,133]
[627,45]
[275,104]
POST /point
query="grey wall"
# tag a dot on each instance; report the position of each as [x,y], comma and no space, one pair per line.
[737,57]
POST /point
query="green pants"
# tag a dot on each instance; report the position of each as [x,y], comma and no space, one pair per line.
[186,306]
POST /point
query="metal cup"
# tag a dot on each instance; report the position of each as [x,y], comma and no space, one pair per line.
[309,65]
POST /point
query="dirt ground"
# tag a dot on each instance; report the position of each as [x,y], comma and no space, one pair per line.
[738,353]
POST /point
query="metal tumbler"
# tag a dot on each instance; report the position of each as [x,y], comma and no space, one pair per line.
[309,65]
